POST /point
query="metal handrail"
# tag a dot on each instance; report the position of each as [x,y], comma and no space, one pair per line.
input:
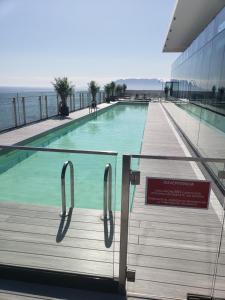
[107,199]
[63,187]
[179,158]
[58,150]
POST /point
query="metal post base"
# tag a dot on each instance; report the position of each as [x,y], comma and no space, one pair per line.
[63,215]
[103,218]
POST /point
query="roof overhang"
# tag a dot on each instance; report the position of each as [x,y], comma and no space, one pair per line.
[189,18]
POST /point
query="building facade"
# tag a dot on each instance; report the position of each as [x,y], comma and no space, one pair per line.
[199,72]
[197,30]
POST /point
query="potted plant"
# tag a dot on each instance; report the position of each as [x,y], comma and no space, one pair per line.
[166,91]
[93,89]
[124,89]
[107,90]
[112,87]
[118,90]
[64,89]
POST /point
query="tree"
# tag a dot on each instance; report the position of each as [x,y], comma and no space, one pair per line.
[112,86]
[107,90]
[64,88]
[166,91]
[221,91]
[118,90]
[124,88]
[93,89]
[214,91]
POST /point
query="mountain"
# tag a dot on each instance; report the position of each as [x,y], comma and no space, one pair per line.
[141,84]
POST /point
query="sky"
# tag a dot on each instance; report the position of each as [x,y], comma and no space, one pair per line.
[85,40]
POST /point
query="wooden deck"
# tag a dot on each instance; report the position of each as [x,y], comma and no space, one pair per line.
[35,236]
[176,250]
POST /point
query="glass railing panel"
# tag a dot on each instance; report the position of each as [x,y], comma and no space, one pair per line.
[187,116]
[174,239]
[77,101]
[212,137]
[44,107]
[34,235]
[31,108]
[7,113]
[204,128]
[218,285]
[20,111]
[52,105]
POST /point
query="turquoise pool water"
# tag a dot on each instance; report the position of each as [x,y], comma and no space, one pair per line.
[34,177]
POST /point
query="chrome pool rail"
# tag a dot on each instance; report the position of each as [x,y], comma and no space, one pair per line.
[42,149]
[63,187]
[107,192]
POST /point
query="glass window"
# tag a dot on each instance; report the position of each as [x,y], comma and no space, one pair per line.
[216,61]
[204,72]
[210,31]
[220,21]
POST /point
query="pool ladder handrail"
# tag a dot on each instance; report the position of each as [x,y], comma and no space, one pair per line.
[63,187]
[107,192]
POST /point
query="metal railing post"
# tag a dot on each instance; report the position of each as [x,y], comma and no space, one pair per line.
[80,100]
[15,114]
[73,102]
[46,106]
[24,110]
[40,107]
[18,109]
[57,100]
[82,97]
[70,103]
[124,221]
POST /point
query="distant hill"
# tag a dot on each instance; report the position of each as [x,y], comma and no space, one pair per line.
[141,84]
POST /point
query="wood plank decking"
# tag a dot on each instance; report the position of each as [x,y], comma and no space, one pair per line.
[34,236]
[176,250]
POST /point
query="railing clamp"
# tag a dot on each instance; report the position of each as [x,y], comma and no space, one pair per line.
[221,174]
[131,274]
[135,177]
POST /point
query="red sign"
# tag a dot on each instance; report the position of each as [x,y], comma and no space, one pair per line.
[177,192]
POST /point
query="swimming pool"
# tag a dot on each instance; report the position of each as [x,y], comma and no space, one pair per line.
[34,177]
